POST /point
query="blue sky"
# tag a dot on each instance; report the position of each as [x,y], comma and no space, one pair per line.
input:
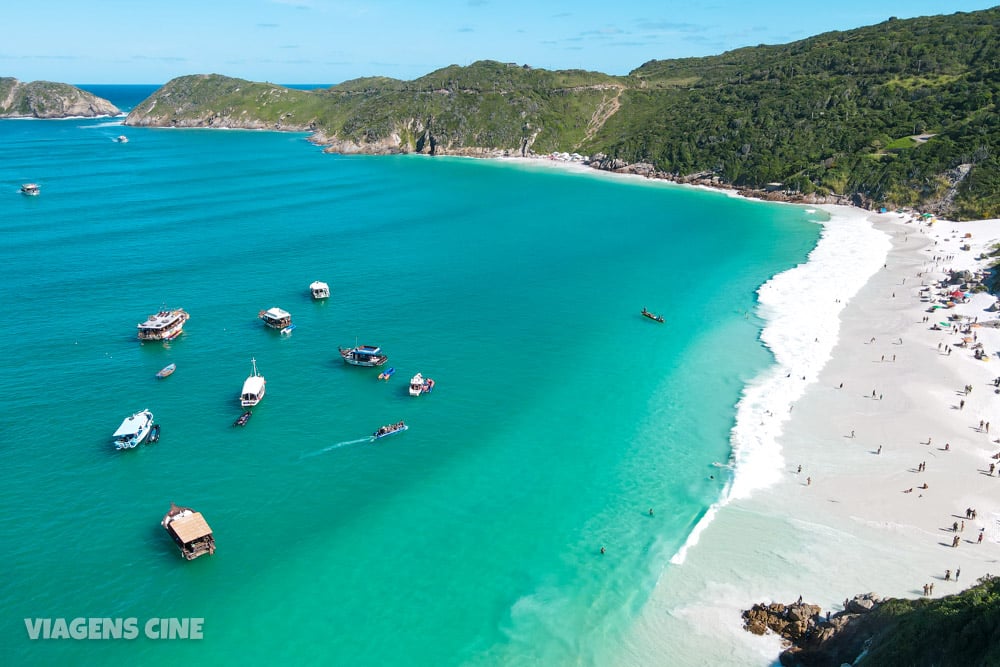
[329,41]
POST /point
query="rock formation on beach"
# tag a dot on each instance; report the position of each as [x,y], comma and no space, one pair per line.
[814,640]
[46,99]
[960,629]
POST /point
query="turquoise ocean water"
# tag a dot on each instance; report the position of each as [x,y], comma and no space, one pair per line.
[560,415]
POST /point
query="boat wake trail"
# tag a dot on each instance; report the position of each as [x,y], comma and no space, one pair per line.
[335,446]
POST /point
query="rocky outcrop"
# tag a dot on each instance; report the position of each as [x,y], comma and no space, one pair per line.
[814,640]
[411,138]
[45,99]
[712,180]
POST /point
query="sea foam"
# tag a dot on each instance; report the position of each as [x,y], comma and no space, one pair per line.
[801,309]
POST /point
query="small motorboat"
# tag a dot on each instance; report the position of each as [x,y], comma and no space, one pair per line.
[389,429]
[385,375]
[166,371]
[122,139]
[420,385]
[31,189]
[652,316]
[154,433]
[243,419]
[287,331]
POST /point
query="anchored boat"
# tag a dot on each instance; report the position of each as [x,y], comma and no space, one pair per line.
[253,388]
[189,531]
[164,325]
[320,290]
[420,385]
[276,318]
[134,430]
[363,355]
[166,371]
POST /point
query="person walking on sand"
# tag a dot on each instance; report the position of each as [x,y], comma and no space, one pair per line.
[809,481]
[879,449]
[958,571]
[947,575]
[979,540]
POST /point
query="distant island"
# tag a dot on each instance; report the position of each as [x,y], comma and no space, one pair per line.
[46,99]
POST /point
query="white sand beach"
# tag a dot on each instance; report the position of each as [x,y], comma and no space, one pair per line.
[873,407]
[867,399]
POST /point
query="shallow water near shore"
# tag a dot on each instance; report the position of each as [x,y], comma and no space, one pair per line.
[560,416]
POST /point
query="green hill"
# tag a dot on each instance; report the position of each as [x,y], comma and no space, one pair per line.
[961,630]
[47,99]
[900,113]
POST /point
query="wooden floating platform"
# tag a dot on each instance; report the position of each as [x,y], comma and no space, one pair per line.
[189,531]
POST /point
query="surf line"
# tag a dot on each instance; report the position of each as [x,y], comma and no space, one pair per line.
[336,446]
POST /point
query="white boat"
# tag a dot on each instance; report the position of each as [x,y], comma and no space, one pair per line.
[31,189]
[122,139]
[133,430]
[420,385]
[253,388]
[164,325]
[276,318]
[320,290]
[287,331]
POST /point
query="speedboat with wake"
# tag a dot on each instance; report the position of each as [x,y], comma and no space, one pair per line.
[389,429]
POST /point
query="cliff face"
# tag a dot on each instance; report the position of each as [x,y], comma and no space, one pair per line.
[45,99]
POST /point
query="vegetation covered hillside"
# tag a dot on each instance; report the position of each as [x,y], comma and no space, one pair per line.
[960,630]
[487,105]
[832,113]
[900,113]
[46,99]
